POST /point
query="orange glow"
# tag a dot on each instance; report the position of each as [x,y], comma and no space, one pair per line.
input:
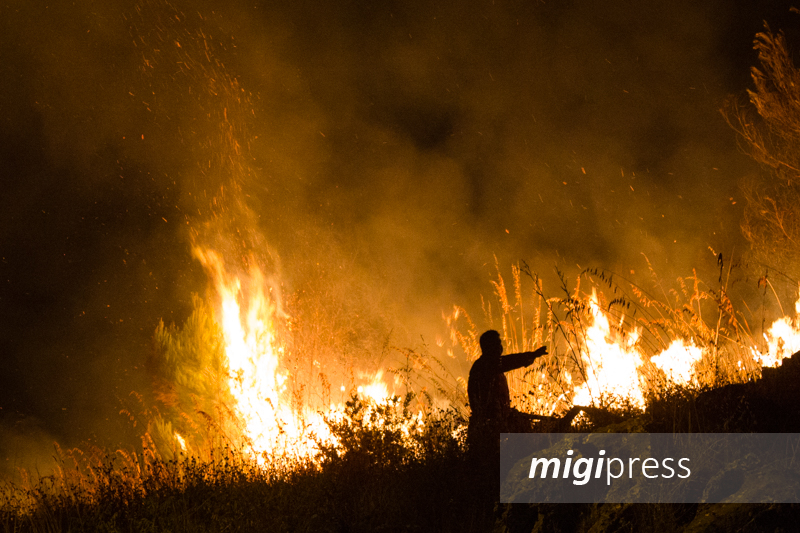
[613,366]
[782,338]
[181,441]
[611,361]
[678,362]
[257,381]
[271,423]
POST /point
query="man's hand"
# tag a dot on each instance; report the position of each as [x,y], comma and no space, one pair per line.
[536,354]
[519,360]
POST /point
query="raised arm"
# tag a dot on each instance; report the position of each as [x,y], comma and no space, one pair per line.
[519,360]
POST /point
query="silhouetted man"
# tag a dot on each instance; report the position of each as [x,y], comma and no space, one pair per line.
[492,414]
[489,399]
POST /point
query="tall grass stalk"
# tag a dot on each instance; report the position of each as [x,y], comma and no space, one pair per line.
[526,318]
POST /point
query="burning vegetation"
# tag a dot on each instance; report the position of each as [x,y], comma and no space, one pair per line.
[233,375]
[256,410]
[231,409]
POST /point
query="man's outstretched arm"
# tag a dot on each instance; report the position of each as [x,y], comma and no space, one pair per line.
[519,360]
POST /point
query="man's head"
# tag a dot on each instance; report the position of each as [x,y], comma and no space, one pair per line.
[490,344]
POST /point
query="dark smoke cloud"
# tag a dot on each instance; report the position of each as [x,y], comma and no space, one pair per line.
[386,153]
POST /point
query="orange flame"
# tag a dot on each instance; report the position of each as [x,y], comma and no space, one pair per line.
[613,365]
[678,361]
[181,441]
[272,424]
[257,381]
[611,362]
[782,338]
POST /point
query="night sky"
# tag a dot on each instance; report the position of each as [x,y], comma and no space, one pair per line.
[376,155]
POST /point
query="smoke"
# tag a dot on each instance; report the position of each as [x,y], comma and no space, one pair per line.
[381,155]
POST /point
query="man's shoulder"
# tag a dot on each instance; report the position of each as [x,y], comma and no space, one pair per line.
[481,366]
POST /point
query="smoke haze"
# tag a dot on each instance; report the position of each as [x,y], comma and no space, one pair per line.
[376,156]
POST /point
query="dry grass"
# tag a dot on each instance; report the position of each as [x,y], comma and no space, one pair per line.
[526,318]
[386,462]
[390,467]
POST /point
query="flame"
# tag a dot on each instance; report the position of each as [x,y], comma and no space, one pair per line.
[782,339]
[272,422]
[181,441]
[614,366]
[257,381]
[678,361]
[376,389]
[604,362]
[611,361]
